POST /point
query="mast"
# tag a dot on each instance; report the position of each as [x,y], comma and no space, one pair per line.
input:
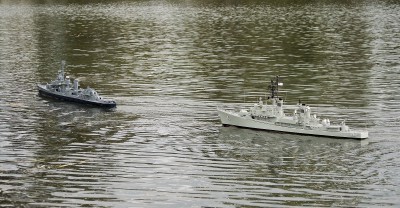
[62,68]
[274,87]
[277,86]
[61,72]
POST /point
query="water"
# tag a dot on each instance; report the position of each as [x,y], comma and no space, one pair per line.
[169,64]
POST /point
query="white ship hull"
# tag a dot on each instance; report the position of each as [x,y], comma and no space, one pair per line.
[232,118]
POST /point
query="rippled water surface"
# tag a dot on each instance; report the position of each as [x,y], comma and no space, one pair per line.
[169,64]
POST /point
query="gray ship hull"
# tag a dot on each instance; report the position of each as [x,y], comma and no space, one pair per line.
[46,93]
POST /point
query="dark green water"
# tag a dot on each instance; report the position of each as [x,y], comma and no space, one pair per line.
[169,64]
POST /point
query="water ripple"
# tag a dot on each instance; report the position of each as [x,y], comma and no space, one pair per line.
[169,65]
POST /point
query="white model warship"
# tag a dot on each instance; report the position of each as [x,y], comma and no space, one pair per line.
[272,117]
[62,89]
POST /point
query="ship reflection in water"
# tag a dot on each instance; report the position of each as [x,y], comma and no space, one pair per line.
[169,64]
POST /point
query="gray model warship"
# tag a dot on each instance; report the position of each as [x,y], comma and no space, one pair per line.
[62,89]
[272,117]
